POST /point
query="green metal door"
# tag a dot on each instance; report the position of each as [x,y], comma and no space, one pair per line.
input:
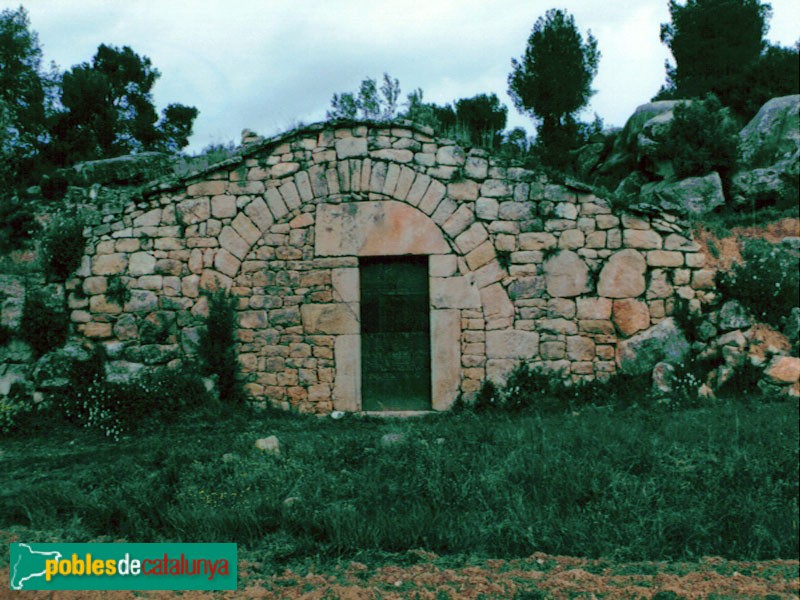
[395,333]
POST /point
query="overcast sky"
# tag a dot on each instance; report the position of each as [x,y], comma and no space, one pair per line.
[268,65]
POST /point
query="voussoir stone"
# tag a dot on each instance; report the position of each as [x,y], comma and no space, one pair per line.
[623,275]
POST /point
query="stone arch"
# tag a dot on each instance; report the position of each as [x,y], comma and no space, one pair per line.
[394,209]
[278,199]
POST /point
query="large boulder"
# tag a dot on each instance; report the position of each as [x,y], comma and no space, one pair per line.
[733,315]
[776,184]
[623,275]
[783,370]
[691,196]
[54,369]
[11,374]
[770,156]
[636,145]
[773,135]
[662,342]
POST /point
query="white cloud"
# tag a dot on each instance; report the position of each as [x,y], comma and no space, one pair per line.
[266,65]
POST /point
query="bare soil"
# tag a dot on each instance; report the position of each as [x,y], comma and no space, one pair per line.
[554,577]
[722,252]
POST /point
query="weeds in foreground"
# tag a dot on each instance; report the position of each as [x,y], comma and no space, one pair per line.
[627,485]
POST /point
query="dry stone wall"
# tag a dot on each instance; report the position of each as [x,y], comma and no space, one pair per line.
[520,269]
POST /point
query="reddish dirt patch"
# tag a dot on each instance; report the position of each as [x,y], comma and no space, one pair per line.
[721,253]
[554,577]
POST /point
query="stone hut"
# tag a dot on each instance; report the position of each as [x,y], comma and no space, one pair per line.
[379,268]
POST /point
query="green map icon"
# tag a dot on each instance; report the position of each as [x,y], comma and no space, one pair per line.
[28,564]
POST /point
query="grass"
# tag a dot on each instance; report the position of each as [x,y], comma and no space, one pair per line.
[627,485]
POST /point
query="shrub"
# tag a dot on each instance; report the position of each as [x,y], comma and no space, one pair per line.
[43,326]
[6,335]
[702,137]
[489,397]
[18,224]
[766,282]
[217,348]
[529,387]
[153,397]
[63,246]
[54,187]
[13,407]
[687,380]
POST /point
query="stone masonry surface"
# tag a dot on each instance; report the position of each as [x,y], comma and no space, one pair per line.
[520,269]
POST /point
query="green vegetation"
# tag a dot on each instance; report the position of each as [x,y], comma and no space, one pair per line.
[26,94]
[149,399]
[117,291]
[475,121]
[98,109]
[552,82]
[719,48]
[702,137]
[530,389]
[18,224]
[371,102]
[217,347]
[766,282]
[628,485]
[45,324]
[62,246]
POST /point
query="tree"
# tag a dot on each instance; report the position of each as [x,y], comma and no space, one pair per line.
[478,121]
[439,118]
[714,44]
[25,96]
[775,73]
[552,81]
[484,118]
[109,110]
[371,103]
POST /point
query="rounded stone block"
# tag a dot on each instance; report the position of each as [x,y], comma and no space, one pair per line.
[631,315]
[567,275]
[623,275]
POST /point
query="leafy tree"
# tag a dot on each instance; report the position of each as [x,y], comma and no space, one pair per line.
[715,43]
[390,90]
[439,118]
[217,348]
[25,96]
[776,73]
[515,144]
[479,120]
[371,102]
[552,81]
[484,117]
[176,127]
[702,137]
[109,110]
